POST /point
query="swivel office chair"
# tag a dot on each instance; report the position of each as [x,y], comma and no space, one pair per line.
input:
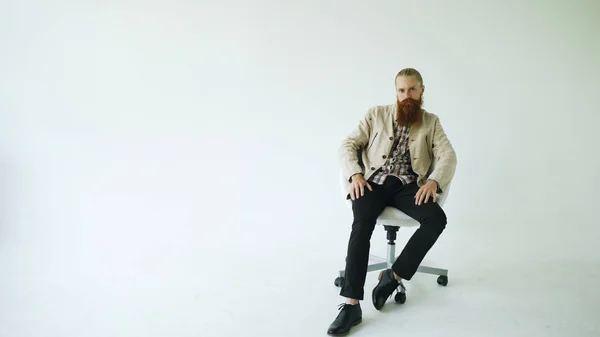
[392,219]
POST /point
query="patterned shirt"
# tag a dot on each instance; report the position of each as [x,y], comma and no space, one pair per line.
[398,161]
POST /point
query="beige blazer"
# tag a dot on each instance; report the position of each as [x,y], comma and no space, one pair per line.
[365,149]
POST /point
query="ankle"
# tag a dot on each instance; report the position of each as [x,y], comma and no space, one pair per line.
[398,278]
[352,301]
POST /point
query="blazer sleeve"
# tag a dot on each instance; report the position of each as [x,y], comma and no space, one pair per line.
[352,144]
[444,157]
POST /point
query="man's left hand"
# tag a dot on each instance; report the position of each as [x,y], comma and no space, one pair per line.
[425,192]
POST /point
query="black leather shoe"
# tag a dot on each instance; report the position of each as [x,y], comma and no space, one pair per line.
[385,288]
[349,316]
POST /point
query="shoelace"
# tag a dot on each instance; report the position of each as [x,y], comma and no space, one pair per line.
[343,305]
[401,285]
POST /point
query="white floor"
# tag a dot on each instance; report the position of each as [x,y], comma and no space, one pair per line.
[498,287]
[283,286]
[508,296]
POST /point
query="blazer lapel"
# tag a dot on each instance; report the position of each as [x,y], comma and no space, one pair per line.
[390,120]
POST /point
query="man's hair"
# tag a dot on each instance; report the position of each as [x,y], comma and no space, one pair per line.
[409,72]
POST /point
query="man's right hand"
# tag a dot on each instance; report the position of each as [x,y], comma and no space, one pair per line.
[357,187]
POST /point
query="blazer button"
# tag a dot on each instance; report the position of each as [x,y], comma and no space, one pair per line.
[391,138]
[384,156]
[372,168]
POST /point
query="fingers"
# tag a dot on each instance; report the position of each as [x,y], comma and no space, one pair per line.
[357,189]
[423,196]
[419,196]
[353,191]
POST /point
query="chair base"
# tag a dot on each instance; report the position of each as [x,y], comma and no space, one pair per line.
[385,263]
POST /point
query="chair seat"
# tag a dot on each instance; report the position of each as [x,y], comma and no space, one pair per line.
[392,216]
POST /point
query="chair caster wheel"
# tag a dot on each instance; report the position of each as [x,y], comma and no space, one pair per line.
[400,298]
[442,280]
[339,281]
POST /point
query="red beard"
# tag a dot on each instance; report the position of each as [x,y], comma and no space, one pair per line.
[409,111]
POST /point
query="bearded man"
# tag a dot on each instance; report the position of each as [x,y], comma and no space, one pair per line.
[399,156]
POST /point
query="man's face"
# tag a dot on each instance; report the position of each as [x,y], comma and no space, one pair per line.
[408,86]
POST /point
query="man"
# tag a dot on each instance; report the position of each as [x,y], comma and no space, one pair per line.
[398,156]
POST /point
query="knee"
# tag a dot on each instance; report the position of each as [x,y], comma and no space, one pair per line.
[363,226]
[365,218]
[435,219]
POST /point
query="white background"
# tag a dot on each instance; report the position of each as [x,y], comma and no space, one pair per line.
[169,168]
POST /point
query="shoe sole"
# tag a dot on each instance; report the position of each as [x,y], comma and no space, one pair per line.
[347,332]
[373,292]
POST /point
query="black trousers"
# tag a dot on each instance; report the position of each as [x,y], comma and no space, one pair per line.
[366,209]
